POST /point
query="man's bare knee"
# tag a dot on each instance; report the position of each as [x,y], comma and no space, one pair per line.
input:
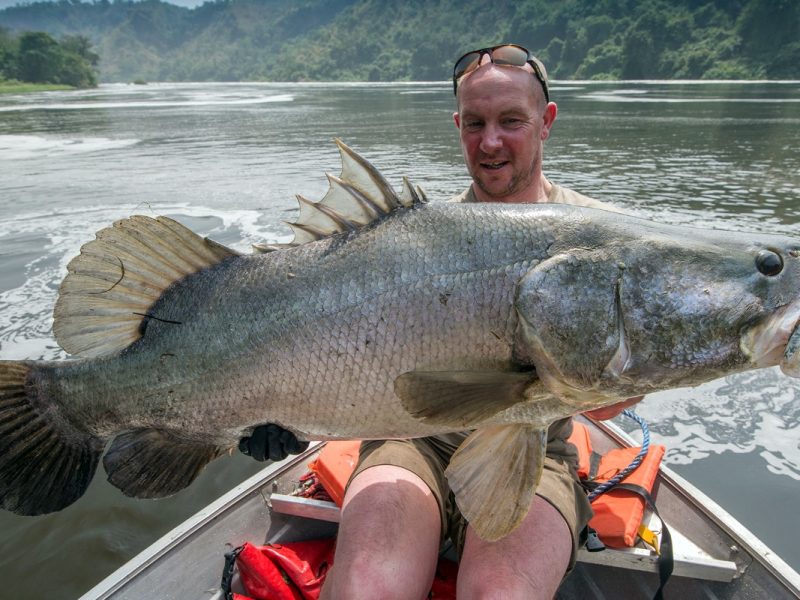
[388,537]
[528,564]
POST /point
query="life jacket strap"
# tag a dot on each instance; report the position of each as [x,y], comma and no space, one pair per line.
[228,570]
[666,562]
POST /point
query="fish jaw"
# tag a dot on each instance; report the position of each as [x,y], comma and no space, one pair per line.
[776,341]
[790,365]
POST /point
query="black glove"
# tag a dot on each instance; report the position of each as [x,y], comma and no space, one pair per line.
[271,442]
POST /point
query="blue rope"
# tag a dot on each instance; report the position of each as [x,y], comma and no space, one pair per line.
[604,487]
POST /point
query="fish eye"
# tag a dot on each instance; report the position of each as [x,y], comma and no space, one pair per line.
[769,263]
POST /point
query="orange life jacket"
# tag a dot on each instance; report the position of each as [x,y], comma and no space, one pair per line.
[334,466]
[619,511]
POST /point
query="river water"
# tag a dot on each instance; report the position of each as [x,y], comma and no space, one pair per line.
[227,159]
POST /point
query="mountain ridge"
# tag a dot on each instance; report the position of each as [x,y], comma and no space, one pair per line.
[388,40]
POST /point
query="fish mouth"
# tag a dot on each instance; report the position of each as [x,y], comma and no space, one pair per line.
[790,364]
[777,341]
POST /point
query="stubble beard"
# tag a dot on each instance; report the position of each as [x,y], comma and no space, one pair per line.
[518,182]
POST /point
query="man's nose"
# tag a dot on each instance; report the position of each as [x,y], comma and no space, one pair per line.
[491,139]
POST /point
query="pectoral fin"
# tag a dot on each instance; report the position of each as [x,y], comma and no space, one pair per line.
[147,463]
[460,398]
[494,474]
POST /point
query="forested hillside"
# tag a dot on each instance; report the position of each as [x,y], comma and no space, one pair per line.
[279,40]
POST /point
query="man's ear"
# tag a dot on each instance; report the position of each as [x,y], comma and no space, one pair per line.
[457,119]
[548,118]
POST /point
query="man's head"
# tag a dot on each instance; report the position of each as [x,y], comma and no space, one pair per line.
[503,117]
[509,55]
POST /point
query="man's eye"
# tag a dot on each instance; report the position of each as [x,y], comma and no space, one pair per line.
[472,124]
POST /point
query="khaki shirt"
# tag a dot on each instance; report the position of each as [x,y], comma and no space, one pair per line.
[557,195]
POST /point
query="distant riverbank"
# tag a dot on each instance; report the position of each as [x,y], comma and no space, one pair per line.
[15,87]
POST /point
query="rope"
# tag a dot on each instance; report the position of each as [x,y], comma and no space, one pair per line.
[600,489]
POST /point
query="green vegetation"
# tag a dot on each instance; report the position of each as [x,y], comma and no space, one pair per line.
[33,60]
[386,40]
[16,87]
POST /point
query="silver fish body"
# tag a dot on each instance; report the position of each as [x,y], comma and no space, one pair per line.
[314,337]
[433,318]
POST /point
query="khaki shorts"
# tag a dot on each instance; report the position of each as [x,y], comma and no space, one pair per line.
[428,458]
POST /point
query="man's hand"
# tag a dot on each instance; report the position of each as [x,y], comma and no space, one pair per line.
[609,412]
[271,442]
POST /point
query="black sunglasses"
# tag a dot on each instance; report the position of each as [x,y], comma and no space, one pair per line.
[505,54]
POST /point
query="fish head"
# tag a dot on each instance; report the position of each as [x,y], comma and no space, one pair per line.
[624,315]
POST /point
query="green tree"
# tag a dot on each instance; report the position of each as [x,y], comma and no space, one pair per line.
[75,71]
[78,62]
[39,59]
[81,46]
[638,55]
[35,57]
[8,54]
[769,29]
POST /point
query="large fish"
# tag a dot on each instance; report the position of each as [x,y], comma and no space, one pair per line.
[388,317]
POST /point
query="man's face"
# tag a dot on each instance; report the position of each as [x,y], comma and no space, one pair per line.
[503,121]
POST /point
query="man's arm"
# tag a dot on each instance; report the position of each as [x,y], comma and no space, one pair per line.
[271,442]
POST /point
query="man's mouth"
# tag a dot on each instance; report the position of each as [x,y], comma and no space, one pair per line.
[494,165]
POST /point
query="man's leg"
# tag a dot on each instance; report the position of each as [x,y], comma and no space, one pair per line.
[528,564]
[388,540]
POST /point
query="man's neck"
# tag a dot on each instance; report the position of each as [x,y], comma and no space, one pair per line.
[537,192]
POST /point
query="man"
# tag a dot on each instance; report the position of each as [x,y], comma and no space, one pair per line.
[398,509]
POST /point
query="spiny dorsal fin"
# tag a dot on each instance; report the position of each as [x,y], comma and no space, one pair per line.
[117,277]
[411,195]
[359,196]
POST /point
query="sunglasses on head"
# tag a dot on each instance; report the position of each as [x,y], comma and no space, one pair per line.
[505,54]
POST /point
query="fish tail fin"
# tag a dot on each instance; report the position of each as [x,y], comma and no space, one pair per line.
[43,466]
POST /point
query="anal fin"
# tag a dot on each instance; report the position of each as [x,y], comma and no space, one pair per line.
[494,474]
[148,463]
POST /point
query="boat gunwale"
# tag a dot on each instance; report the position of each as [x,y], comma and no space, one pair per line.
[116,580]
[730,525]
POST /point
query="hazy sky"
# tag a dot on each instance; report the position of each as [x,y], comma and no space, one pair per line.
[188,3]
